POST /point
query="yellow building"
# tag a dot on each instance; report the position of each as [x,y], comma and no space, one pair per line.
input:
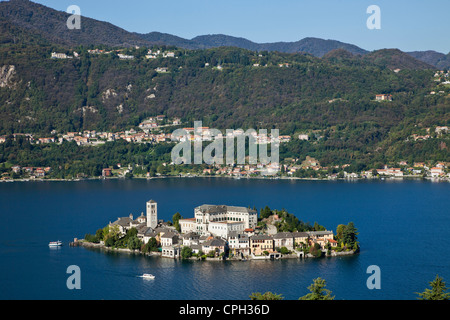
[261,243]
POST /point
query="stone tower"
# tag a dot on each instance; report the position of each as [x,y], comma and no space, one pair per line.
[152,214]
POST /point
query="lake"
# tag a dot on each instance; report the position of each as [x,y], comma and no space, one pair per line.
[404,229]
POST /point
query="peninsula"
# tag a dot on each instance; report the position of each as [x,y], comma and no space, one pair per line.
[219,232]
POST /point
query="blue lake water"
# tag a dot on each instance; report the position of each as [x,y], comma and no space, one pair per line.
[404,229]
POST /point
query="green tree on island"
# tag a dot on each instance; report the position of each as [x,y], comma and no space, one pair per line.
[437,291]
[134,243]
[318,291]
[111,235]
[99,234]
[186,252]
[318,227]
[346,235]
[350,234]
[265,213]
[340,231]
[151,245]
[315,250]
[284,250]
[175,218]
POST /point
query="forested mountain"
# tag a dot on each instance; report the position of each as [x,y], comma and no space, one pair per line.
[437,59]
[251,90]
[51,25]
[331,97]
[314,46]
[395,59]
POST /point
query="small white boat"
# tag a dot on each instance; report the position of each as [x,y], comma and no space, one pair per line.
[55,244]
[148,276]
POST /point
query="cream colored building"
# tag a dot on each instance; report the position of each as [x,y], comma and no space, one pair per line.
[187,225]
[261,243]
[321,237]
[300,238]
[223,228]
[206,214]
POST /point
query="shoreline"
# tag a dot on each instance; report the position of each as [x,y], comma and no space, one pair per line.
[411,177]
[294,255]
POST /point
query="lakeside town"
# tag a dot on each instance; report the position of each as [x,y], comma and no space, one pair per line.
[153,130]
[156,130]
[218,232]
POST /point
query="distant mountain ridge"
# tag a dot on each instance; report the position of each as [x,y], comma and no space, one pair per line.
[434,58]
[50,24]
[314,46]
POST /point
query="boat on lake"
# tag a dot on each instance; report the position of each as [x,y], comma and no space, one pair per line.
[55,244]
[148,276]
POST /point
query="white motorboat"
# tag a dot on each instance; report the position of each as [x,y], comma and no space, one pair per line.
[55,244]
[148,276]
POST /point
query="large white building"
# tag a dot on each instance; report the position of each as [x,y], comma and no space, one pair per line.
[223,228]
[219,220]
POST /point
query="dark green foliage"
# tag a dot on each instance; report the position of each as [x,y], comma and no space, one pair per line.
[318,291]
[284,250]
[176,217]
[130,240]
[68,160]
[94,238]
[266,296]
[438,291]
[109,242]
[134,243]
[186,252]
[289,222]
[265,213]
[151,246]
[315,250]
[348,235]
[91,238]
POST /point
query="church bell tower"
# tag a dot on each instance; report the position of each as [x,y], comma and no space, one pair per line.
[152,214]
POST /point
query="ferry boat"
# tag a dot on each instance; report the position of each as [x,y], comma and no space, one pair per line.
[148,276]
[55,244]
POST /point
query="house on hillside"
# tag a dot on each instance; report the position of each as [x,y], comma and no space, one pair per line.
[383,97]
[436,172]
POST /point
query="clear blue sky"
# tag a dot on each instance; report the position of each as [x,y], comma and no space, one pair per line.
[405,24]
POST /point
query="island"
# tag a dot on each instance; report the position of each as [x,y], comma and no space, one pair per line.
[222,232]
